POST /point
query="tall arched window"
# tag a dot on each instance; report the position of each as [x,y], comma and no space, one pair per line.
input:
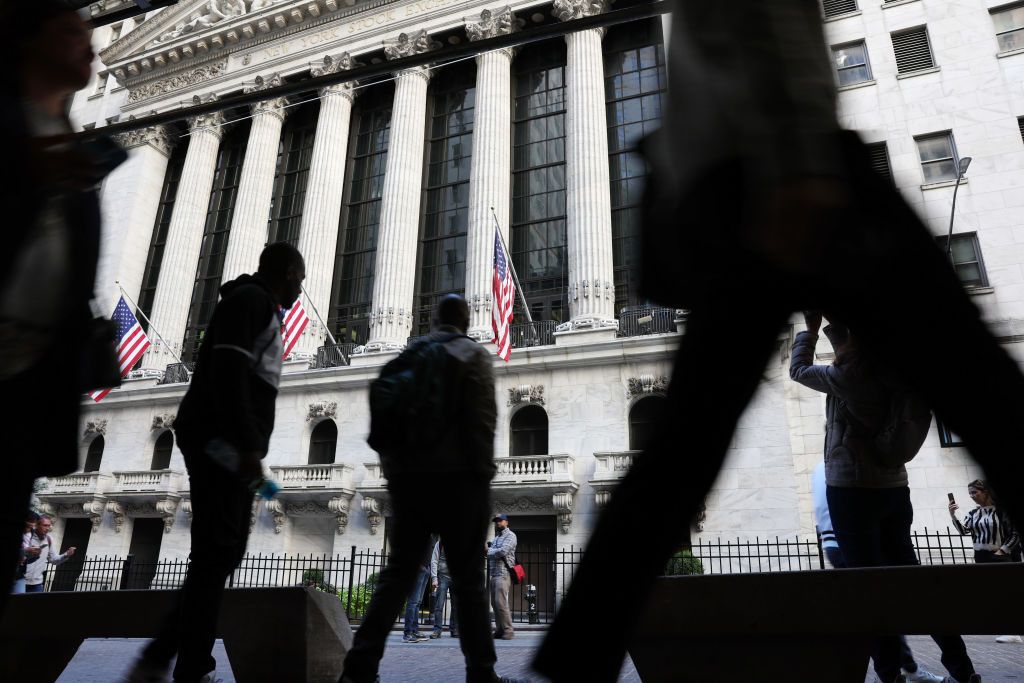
[162,451]
[643,419]
[323,443]
[529,430]
[94,455]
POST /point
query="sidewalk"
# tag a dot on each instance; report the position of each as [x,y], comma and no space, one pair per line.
[440,661]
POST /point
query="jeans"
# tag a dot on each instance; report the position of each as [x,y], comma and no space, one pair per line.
[462,524]
[221,507]
[413,602]
[34,588]
[500,586]
[18,587]
[444,582]
[873,530]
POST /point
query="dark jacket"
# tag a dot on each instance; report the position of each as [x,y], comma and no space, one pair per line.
[468,445]
[856,405]
[234,387]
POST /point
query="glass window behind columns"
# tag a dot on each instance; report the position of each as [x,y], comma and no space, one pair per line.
[151,275]
[360,217]
[293,158]
[635,83]
[538,233]
[442,256]
[215,236]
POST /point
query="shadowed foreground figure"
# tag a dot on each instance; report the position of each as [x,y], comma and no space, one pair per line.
[758,206]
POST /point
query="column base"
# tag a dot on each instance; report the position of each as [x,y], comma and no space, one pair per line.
[586,331]
[481,336]
[375,353]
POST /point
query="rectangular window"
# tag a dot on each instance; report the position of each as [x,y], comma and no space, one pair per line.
[1009,23]
[294,156]
[913,50]
[635,85]
[836,8]
[360,218]
[214,246]
[851,62]
[965,253]
[938,157]
[947,438]
[538,231]
[879,154]
[442,257]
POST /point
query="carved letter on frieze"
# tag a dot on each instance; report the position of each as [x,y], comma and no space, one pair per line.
[372,509]
[277,509]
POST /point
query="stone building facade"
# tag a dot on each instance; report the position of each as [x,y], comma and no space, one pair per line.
[392,191]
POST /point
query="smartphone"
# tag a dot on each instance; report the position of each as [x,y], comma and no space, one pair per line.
[950,496]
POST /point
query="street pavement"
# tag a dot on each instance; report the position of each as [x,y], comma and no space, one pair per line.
[440,661]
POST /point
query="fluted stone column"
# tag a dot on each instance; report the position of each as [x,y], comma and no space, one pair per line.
[491,169]
[321,210]
[184,239]
[130,201]
[395,267]
[588,198]
[256,185]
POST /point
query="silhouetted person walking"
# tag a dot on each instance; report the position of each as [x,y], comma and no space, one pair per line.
[432,422]
[760,205]
[223,428]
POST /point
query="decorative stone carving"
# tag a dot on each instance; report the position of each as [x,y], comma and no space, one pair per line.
[118,512]
[646,384]
[371,506]
[562,502]
[253,512]
[48,509]
[95,427]
[526,393]
[332,65]
[588,323]
[212,123]
[491,24]
[601,498]
[167,508]
[339,506]
[701,516]
[322,409]
[521,504]
[206,15]
[176,82]
[186,507]
[93,509]
[567,10]
[407,44]
[277,509]
[162,421]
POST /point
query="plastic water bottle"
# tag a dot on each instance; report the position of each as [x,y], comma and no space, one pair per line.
[227,456]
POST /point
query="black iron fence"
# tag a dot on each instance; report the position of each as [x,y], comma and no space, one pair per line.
[353,576]
[644,320]
[177,372]
[332,356]
[540,333]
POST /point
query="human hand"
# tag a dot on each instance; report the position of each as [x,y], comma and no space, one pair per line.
[813,321]
[434,583]
[953,507]
[71,551]
[32,552]
[999,552]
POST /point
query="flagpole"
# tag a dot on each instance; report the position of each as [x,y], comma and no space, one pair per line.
[515,276]
[151,326]
[317,313]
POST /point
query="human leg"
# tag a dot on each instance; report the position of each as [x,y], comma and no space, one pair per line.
[440,600]
[413,602]
[12,526]
[501,585]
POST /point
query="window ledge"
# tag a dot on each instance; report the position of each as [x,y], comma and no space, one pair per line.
[1010,53]
[978,291]
[95,96]
[854,86]
[919,72]
[897,3]
[942,183]
[840,17]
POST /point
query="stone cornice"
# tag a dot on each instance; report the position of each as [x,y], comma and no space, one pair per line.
[156,137]
[567,10]
[409,44]
[493,23]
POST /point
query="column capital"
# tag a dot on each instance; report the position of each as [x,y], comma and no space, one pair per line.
[212,123]
[334,64]
[493,23]
[275,106]
[567,10]
[408,44]
[157,137]
[422,71]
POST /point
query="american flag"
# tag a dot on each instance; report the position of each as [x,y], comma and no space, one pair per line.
[294,323]
[504,298]
[132,342]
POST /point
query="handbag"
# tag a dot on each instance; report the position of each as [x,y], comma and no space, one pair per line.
[100,368]
[516,573]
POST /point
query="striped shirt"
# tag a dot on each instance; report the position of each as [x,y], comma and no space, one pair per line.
[990,528]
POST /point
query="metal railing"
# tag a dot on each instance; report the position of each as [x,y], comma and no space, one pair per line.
[541,334]
[644,320]
[353,576]
[177,372]
[332,356]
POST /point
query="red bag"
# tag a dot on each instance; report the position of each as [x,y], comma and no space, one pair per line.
[516,573]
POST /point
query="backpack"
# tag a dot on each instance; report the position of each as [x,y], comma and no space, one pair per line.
[409,401]
[902,433]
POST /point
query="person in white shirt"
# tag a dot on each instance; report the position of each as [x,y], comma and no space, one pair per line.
[40,552]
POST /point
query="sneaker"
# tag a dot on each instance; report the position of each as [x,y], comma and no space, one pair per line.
[507,636]
[435,634]
[454,634]
[419,636]
[1009,639]
[922,675]
[410,638]
[144,671]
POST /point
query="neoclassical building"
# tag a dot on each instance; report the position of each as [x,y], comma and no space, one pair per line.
[392,189]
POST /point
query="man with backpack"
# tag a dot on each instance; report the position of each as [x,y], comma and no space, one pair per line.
[432,417]
[871,430]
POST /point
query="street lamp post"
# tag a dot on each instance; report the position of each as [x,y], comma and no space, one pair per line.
[961,169]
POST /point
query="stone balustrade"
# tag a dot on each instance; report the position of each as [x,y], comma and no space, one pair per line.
[313,477]
[610,467]
[79,483]
[534,468]
[146,481]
